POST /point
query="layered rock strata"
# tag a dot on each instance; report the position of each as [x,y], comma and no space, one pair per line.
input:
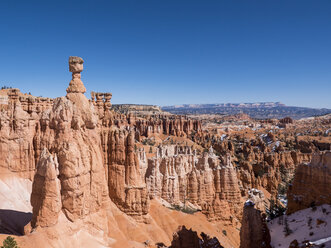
[311,183]
[46,192]
[82,154]
[127,188]
[180,176]
[69,132]
[261,162]
[17,131]
[169,125]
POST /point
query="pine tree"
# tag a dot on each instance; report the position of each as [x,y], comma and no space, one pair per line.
[287,229]
[9,242]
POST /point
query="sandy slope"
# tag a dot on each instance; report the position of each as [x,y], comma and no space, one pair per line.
[164,221]
[15,192]
[15,207]
[125,231]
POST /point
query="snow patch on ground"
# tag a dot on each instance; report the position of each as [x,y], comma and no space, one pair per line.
[306,224]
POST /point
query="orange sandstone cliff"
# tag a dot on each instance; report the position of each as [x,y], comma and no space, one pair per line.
[311,183]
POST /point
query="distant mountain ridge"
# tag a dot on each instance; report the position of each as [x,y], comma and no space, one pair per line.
[259,110]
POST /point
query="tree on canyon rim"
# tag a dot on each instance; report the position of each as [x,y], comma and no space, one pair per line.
[9,242]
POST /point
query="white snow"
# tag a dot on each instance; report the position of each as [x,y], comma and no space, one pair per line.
[322,241]
[249,203]
[302,227]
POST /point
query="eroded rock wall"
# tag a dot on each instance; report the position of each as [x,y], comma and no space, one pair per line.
[311,183]
[254,232]
[180,176]
[126,186]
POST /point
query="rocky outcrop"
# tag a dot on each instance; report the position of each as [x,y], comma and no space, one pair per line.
[268,169]
[46,192]
[311,183]
[184,238]
[126,186]
[101,101]
[254,232]
[262,161]
[82,178]
[69,131]
[257,197]
[180,176]
[10,97]
[138,109]
[76,67]
[180,126]
[17,130]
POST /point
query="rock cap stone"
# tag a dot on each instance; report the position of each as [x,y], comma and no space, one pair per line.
[76,67]
[75,64]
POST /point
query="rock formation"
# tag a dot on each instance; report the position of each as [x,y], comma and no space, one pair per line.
[261,161]
[9,98]
[85,156]
[180,176]
[138,109]
[126,187]
[254,232]
[69,132]
[46,192]
[17,130]
[76,67]
[165,124]
[101,101]
[311,183]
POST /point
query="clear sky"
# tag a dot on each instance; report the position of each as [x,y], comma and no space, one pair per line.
[172,51]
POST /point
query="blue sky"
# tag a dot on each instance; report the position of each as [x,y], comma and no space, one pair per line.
[172,52]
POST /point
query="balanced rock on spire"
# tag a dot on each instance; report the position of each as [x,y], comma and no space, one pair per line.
[76,67]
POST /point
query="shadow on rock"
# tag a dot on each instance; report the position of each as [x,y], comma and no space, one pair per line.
[13,222]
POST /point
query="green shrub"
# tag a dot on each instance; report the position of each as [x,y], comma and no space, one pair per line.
[275,210]
[282,189]
[9,242]
[287,229]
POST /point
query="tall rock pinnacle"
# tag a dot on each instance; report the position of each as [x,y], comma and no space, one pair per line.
[75,93]
[76,67]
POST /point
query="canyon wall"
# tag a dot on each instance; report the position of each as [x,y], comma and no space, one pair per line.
[311,183]
[178,175]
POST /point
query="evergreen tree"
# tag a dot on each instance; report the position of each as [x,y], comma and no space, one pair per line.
[287,229]
[9,242]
